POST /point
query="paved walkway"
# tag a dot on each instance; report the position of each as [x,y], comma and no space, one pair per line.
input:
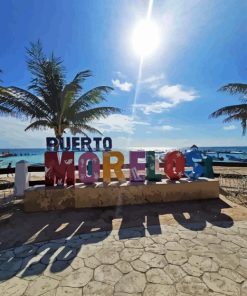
[178,261]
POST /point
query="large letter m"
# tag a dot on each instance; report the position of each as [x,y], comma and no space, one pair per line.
[58,171]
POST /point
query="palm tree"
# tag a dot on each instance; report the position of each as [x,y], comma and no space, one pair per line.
[234,112]
[4,92]
[50,102]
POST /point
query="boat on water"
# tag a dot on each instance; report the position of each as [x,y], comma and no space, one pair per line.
[234,158]
[7,154]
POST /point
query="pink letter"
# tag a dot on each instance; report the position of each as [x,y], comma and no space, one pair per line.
[135,166]
[89,168]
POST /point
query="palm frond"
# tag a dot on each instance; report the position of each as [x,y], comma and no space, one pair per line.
[95,113]
[229,110]
[82,128]
[235,88]
[93,96]
[38,124]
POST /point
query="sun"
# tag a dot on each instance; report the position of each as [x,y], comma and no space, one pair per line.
[145,38]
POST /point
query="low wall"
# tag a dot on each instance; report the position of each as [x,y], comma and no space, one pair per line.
[43,198]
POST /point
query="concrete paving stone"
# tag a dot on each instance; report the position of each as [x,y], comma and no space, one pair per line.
[107,274]
[92,262]
[124,266]
[230,246]
[175,272]
[200,250]
[41,285]
[158,276]
[230,261]
[186,243]
[176,257]
[58,270]
[174,246]
[139,265]
[243,253]
[68,291]
[131,254]
[133,282]
[98,288]
[237,240]
[187,234]
[88,251]
[243,231]
[156,248]
[77,278]
[161,239]
[232,275]
[159,290]
[153,260]
[78,262]
[217,248]
[50,293]
[171,237]
[192,286]
[127,294]
[133,243]
[192,269]
[106,256]
[228,230]
[210,230]
[203,263]
[221,284]
[243,263]
[146,241]
[13,287]
[241,224]
[242,271]
[244,288]
[116,246]
[208,238]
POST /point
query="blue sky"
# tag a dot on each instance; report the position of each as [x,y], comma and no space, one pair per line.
[203,46]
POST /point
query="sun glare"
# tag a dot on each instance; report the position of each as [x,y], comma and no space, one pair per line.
[145,38]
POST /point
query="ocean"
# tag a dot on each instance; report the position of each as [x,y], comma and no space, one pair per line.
[36,156]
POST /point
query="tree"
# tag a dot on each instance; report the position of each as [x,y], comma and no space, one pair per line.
[51,103]
[4,93]
[234,112]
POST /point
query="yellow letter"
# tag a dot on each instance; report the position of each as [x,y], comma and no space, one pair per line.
[117,166]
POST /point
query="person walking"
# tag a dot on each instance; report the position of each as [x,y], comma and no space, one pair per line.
[9,167]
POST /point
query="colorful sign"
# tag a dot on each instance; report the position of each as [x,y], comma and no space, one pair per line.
[143,164]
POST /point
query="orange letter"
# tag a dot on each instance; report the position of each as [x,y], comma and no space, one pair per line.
[108,166]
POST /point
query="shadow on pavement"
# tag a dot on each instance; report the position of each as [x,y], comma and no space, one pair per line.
[61,231]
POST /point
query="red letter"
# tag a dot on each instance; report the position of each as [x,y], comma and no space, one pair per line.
[174,165]
[59,172]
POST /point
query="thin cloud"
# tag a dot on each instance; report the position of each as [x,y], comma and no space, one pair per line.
[118,123]
[153,82]
[120,75]
[123,86]
[230,127]
[169,97]
[167,128]
[177,93]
